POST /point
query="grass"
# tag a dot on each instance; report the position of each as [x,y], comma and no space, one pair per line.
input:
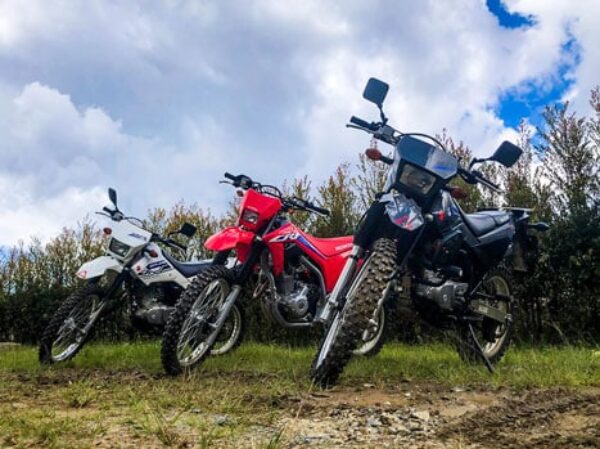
[522,367]
[112,394]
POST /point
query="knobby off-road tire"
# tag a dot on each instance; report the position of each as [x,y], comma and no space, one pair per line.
[65,316]
[196,292]
[494,350]
[346,329]
[373,346]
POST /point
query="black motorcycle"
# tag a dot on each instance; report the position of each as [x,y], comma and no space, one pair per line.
[416,248]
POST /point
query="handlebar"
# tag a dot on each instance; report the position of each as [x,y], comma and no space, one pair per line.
[363,123]
[319,210]
[475,177]
[168,241]
[300,204]
[245,182]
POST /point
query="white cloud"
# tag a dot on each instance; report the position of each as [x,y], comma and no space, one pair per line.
[159,101]
[58,160]
[23,216]
[580,19]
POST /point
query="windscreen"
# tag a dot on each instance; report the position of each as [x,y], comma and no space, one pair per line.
[423,154]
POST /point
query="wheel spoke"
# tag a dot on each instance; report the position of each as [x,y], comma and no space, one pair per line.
[201,322]
[75,328]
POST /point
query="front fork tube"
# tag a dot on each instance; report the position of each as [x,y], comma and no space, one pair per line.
[373,322]
[343,281]
[227,305]
[114,286]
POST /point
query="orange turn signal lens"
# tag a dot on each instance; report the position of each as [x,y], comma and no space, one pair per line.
[458,193]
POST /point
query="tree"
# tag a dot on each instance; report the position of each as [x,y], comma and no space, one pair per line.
[336,194]
[369,181]
[570,156]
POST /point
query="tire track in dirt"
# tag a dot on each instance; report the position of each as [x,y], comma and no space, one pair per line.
[535,420]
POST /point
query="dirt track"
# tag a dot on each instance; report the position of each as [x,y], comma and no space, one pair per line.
[85,408]
[434,417]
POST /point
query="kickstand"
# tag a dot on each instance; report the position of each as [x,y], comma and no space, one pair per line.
[488,364]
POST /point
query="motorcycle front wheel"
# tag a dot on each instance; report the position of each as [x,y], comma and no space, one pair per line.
[348,325]
[70,327]
[232,332]
[374,337]
[195,323]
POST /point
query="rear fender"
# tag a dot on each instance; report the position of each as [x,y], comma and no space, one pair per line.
[230,238]
[98,267]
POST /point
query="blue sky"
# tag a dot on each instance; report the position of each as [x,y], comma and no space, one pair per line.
[528,101]
[160,101]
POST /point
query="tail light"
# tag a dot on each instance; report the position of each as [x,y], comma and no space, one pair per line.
[107,231]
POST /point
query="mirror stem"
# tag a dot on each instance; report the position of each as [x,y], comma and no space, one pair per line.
[382,115]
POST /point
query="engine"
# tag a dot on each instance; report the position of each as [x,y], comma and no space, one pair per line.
[150,306]
[298,298]
[448,295]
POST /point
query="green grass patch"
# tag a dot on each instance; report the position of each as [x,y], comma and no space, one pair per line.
[522,367]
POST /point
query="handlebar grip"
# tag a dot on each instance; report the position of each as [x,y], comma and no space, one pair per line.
[175,244]
[107,210]
[318,209]
[480,178]
[230,176]
[360,122]
[322,211]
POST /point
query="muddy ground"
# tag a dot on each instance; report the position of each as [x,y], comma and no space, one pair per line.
[429,416]
[407,415]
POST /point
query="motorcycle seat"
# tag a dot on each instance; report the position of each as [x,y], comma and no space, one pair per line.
[188,269]
[485,221]
[330,246]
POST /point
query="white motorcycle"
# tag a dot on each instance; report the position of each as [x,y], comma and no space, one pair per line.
[151,279]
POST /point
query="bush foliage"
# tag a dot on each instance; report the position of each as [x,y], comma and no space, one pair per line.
[558,177]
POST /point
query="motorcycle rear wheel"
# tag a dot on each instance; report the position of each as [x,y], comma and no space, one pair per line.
[495,338]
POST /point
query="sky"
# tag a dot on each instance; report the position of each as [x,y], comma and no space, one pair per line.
[160,100]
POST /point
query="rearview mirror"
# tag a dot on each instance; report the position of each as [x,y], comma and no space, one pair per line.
[112,196]
[375,91]
[507,154]
[187,229]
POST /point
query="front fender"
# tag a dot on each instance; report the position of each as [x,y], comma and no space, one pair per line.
[97,267]
[229,238]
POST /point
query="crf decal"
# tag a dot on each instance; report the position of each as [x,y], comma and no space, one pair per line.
[290,236]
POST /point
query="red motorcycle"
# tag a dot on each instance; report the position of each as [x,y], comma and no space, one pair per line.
[292,272]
